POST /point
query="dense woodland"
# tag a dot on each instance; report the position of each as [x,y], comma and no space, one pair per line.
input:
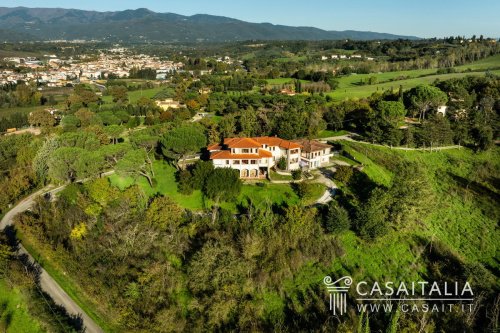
[149,265]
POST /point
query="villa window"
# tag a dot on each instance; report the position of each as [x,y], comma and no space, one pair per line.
[236,162]
[245,151]
[227,161]
[244,162]
[253,162]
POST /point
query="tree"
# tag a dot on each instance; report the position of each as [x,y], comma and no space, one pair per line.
[41,118]
[302,189]
[343,173]
[282,163]
[227,126]
[62,164]
[297,174]
[482,137]
[85,116]
[113,153]
[185,182]
[70,123]
[80,139]
[424,97]
[145,104]
[223,184]
[119,93]
[201,171]
[164,213]
[122,115]
[437,131]
[181,141]
[108,118]
[89,164]
[371,218]
[336,219]
[82,96]
[40,162]
[411,193]
[114,132]
[393,112]
[248,122]
[136,163]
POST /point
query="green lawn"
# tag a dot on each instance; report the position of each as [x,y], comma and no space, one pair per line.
[259,193]
[328,133]
[14,316]
[133,96]
[345,159]
[389,258]
[349,85]
[376,172]
[276,176]
[284,80]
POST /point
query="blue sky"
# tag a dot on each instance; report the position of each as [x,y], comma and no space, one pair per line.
[424,18]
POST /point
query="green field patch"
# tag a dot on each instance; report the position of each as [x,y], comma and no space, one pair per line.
[14,315]
[329,133]
[134,96]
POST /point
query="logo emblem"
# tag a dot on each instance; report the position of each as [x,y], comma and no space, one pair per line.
[338,293]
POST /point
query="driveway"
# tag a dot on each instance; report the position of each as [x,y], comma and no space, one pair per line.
[325,176]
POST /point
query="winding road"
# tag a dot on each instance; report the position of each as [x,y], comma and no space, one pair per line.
[47,283]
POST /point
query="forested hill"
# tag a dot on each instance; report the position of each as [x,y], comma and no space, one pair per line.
[142,25]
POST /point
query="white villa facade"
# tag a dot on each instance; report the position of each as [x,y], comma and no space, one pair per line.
[314,154]
[254,157]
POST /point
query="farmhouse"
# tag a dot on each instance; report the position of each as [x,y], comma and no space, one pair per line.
[168,103]
[314,154]
[254,157]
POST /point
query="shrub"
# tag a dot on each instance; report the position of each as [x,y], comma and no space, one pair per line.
[185,181]
[336,218]
[282,163]
[343,173]
[297,174]
[302,189]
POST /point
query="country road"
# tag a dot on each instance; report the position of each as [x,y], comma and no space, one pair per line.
[47,283]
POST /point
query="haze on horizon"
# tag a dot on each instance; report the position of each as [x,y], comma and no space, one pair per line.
[424,18]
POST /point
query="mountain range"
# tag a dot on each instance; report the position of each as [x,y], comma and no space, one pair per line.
[144,25]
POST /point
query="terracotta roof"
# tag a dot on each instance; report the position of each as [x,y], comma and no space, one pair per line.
[214,147]
[312,145]
[256,142]
[241,143]
[277,142]
[227,155]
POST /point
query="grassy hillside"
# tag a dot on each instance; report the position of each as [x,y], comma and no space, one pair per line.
[464,217]
[14,316]
[349,86]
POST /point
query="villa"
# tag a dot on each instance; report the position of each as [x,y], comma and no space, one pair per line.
[254,157]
